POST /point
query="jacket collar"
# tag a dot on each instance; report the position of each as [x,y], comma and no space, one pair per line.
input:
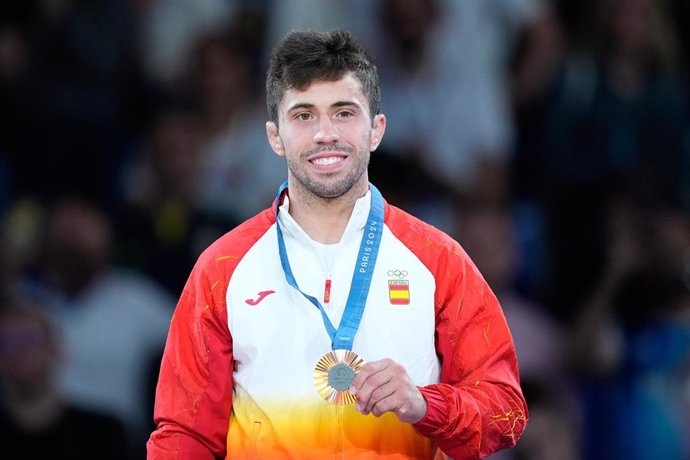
[353,229]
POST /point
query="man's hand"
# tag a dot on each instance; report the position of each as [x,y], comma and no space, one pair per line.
[384,386]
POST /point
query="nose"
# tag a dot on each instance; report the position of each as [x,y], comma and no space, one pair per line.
[326,133]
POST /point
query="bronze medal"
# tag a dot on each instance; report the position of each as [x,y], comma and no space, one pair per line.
[334,374]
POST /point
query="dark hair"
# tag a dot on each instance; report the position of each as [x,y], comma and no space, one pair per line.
[304,57]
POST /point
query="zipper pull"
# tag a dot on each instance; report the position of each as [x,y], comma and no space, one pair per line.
[327,292]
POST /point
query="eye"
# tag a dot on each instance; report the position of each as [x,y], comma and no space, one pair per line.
[303,116]
[345,114]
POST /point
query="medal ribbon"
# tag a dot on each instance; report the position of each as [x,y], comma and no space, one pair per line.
[343,337]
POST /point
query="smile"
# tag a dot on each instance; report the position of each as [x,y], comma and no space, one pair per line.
[326,161]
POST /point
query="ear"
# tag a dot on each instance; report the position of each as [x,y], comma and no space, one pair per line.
[379,127]
[274,139]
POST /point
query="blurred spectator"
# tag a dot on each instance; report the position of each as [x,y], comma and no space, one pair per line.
[161,233]
[613,119]
[19,241]
[35,419]
[354,16]
[536,59]
[631,344]
[113,322]
[15,66]
[238,172]
[80,60]
[443,69]
[640,410]
[170,30]
[14,116]
[415,80]
[680,14]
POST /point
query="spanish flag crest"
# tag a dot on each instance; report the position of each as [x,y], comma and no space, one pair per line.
[398,287]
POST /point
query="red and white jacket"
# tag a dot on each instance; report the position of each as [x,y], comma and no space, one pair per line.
[236,379]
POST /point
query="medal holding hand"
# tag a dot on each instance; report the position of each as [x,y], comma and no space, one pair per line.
[384,386]
[342,378]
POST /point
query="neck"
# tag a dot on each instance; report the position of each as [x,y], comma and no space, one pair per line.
[324,219]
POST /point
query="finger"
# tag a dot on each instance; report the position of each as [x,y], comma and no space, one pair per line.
[367,370]
[379,394]
[372,382]
[389,403]
[408,407]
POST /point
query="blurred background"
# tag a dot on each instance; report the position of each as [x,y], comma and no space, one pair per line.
[550,137]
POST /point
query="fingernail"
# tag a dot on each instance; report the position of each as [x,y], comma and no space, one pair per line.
[352,390]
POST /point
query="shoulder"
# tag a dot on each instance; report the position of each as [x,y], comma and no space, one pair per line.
[420,237]
[208,281]
[437,250]
[230,248]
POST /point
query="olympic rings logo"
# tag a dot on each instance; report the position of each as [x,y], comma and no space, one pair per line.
[398,273]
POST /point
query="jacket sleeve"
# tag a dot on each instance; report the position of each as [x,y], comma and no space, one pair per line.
[194,392]
[478,407]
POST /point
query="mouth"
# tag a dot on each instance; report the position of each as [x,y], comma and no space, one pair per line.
[328,161]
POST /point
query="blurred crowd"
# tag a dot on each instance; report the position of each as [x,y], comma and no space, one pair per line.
[551,138]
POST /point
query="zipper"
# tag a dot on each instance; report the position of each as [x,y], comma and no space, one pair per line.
[253,440]
[339,449]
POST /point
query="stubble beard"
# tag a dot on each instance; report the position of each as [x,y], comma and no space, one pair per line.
[330,188]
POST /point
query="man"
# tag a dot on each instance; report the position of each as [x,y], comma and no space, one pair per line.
[258,363]
[36,419]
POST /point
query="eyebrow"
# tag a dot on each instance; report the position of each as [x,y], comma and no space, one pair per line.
[346,104]
[307,105]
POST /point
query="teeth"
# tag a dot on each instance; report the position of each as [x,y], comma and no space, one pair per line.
[327,161]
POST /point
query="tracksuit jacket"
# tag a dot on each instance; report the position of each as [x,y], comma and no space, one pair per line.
[237,376]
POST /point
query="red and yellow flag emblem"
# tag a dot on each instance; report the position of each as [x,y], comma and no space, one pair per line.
[399,292]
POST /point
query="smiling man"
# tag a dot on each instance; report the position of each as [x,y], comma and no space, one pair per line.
[334,325]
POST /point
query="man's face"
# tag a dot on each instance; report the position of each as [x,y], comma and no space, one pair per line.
[27,357]
[326,134]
